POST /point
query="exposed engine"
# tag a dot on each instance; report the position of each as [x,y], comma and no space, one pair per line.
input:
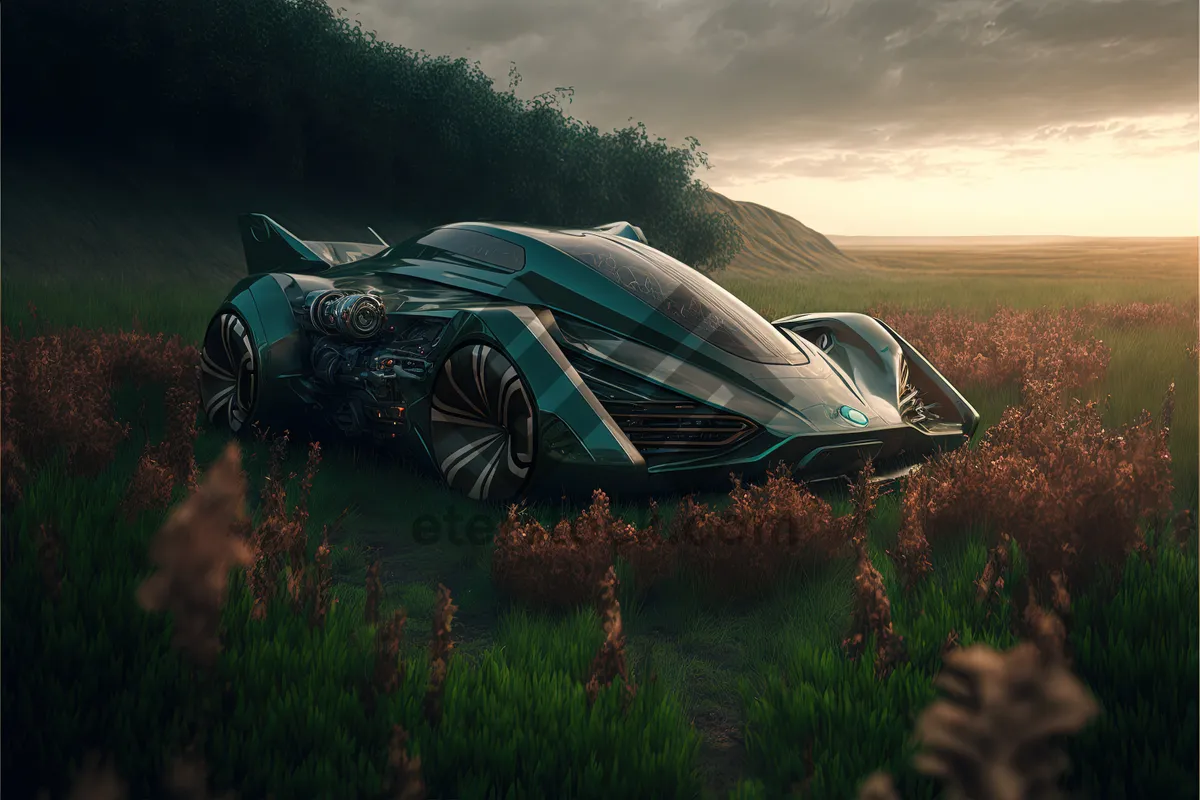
[351,316]
[361,357]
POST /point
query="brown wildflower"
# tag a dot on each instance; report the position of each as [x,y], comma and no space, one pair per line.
[991,582]
[911,554]
[374,593]
[188,778]
[440,647]
[878,786]
[194,552]
[1045,629]
[96,780]
[319,583]
[991,736]
[872,617]
[389,669]
[610,659]
[404,780]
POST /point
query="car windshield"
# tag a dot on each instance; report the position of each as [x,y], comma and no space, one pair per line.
[482,247]
[684,295]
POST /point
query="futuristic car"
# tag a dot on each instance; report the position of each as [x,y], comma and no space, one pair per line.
[522,360]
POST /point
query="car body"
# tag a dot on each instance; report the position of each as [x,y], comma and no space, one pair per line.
[519,360]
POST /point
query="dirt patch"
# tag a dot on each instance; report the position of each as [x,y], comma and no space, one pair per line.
[723,754]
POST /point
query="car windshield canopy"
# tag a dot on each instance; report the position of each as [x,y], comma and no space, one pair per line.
[682,294]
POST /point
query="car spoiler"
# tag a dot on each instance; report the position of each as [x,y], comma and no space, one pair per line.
[270,247]
[624,230]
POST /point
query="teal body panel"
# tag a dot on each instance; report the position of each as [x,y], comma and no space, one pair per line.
[262,303]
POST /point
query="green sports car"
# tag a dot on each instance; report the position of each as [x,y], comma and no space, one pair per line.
[520,360]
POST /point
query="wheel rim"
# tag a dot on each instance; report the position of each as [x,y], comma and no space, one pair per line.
[482,424]
[228,372]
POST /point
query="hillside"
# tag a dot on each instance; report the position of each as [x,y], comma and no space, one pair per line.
[63,218]
[776,245]
[858,242]
[296,93]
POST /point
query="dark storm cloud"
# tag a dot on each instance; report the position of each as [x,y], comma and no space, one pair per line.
[748,75]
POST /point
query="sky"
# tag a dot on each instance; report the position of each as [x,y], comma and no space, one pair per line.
[874,117]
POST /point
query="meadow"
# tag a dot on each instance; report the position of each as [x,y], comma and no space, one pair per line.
[289,621]
[743,693]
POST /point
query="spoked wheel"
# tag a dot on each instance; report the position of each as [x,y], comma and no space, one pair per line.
[228,372]
[482,424]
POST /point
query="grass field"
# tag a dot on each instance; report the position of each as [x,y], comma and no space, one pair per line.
[1148,261]
[718,658]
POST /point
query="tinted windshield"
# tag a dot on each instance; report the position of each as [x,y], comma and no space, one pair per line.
[683,295]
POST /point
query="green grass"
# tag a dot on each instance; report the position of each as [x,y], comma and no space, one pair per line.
[726,666]
[950,289]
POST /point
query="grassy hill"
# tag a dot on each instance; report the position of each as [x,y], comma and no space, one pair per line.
[778,246]
[64,217]
[294,93]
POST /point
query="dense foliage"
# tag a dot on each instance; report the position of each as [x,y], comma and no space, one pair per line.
[296,92]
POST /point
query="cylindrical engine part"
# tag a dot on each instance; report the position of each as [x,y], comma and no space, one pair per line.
[360,316]
[322,310]
[326,361]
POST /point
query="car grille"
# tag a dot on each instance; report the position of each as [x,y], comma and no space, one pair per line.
[658,420]
[673,427]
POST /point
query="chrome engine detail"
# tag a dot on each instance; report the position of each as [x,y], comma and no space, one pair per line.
[322,313]
[914,408]
[351,316]
[360,316]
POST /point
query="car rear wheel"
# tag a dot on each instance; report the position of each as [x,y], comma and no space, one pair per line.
[229,372]
[482,424]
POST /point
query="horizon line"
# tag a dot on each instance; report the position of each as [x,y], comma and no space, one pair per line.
[1008,236]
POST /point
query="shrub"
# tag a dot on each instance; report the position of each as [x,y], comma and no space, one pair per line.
[294,92]
[744,549]
[57,391]
[562,566]
[1140,315]
[1009,347]
[1070,492]
[764,531]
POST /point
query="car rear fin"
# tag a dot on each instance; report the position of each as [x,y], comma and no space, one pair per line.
[270,247]
[624,230]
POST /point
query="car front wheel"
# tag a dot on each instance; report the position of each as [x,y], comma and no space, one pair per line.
[482,424]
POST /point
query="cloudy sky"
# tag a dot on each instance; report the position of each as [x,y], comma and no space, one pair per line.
[874,117]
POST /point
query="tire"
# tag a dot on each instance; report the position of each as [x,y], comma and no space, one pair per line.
[229,373]
[482,424]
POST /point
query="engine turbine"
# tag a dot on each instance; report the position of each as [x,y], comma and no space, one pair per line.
[350,316]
